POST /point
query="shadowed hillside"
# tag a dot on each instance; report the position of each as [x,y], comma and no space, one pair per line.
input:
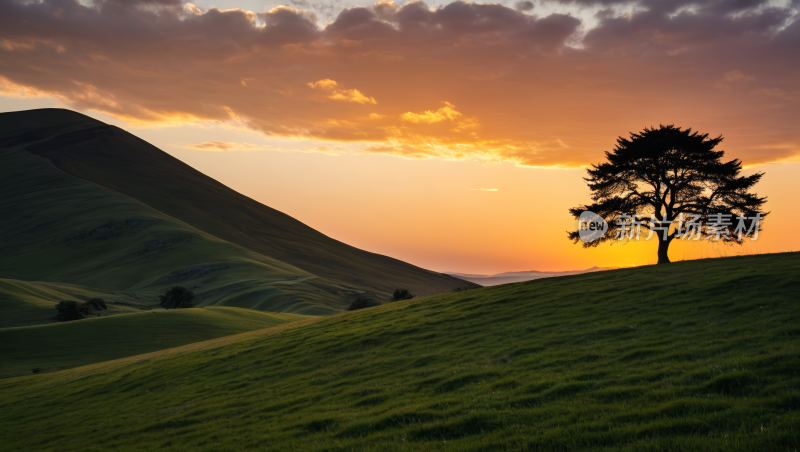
[694,356]
[89,206]
[118,161]
[53,347]
[66,238]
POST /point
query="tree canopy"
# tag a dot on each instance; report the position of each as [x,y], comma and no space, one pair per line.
[362,303]
[402,294]
[72,310]
[177,298]
[69,310]
[674,184]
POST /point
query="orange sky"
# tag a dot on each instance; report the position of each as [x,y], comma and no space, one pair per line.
[376,124]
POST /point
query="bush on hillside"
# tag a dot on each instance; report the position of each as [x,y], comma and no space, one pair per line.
[462,289]
[97,304]
[361,303]
[177,298]
[70,310]
[402,294]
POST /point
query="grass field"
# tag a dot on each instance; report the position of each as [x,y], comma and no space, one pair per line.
[77,343]
[699,355]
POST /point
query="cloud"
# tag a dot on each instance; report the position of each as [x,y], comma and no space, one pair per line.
[737,76]
[446,113]
[485,189]
[225,146]
[524,5]
[525,83]
[771,92]
[347,95]
[733,77]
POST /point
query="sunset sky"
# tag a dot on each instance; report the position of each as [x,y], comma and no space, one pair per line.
[453,136]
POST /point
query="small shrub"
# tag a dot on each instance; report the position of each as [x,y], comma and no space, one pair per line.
[402,294]
[177,298]
[97,304]
[70,310]
[361,303]
[462,289]
[36,370]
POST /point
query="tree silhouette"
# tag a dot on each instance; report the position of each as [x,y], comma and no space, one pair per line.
[672,183]
[177,298]
[402,294]
[361,303]
[69,310]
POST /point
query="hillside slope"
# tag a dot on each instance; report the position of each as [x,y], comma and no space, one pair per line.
[118,161]
[25,303]
[57,228]
[515,277]
[53,347]
[700,355]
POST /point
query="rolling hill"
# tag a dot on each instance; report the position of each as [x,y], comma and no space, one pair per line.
[515,277]
[90,206]
[692,356]
[53,347]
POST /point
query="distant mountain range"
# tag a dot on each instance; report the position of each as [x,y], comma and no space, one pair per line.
[89,209]
[514,277]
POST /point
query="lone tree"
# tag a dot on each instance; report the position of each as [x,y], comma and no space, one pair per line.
[177,298]
[70,310]
[98,304]
[402,294]
[362,303]
[672,183]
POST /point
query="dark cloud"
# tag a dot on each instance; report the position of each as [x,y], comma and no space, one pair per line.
[285,25]
[592,2]
[664,28]
[724,6]
[461,17]
[359,23]
[415,15]
[452,21]
[524,6]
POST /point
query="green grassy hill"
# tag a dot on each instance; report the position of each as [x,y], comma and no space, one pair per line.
[24,303]
[121,163]
[91,210]
[701,355]
[57,228]
[71,344]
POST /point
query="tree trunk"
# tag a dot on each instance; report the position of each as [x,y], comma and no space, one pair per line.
[663,247]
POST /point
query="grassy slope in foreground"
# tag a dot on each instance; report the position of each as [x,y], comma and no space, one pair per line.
[700,355]
[71,344]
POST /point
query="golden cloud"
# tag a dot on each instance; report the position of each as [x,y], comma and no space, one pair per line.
[446,113]
[225,146]
[347,95]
